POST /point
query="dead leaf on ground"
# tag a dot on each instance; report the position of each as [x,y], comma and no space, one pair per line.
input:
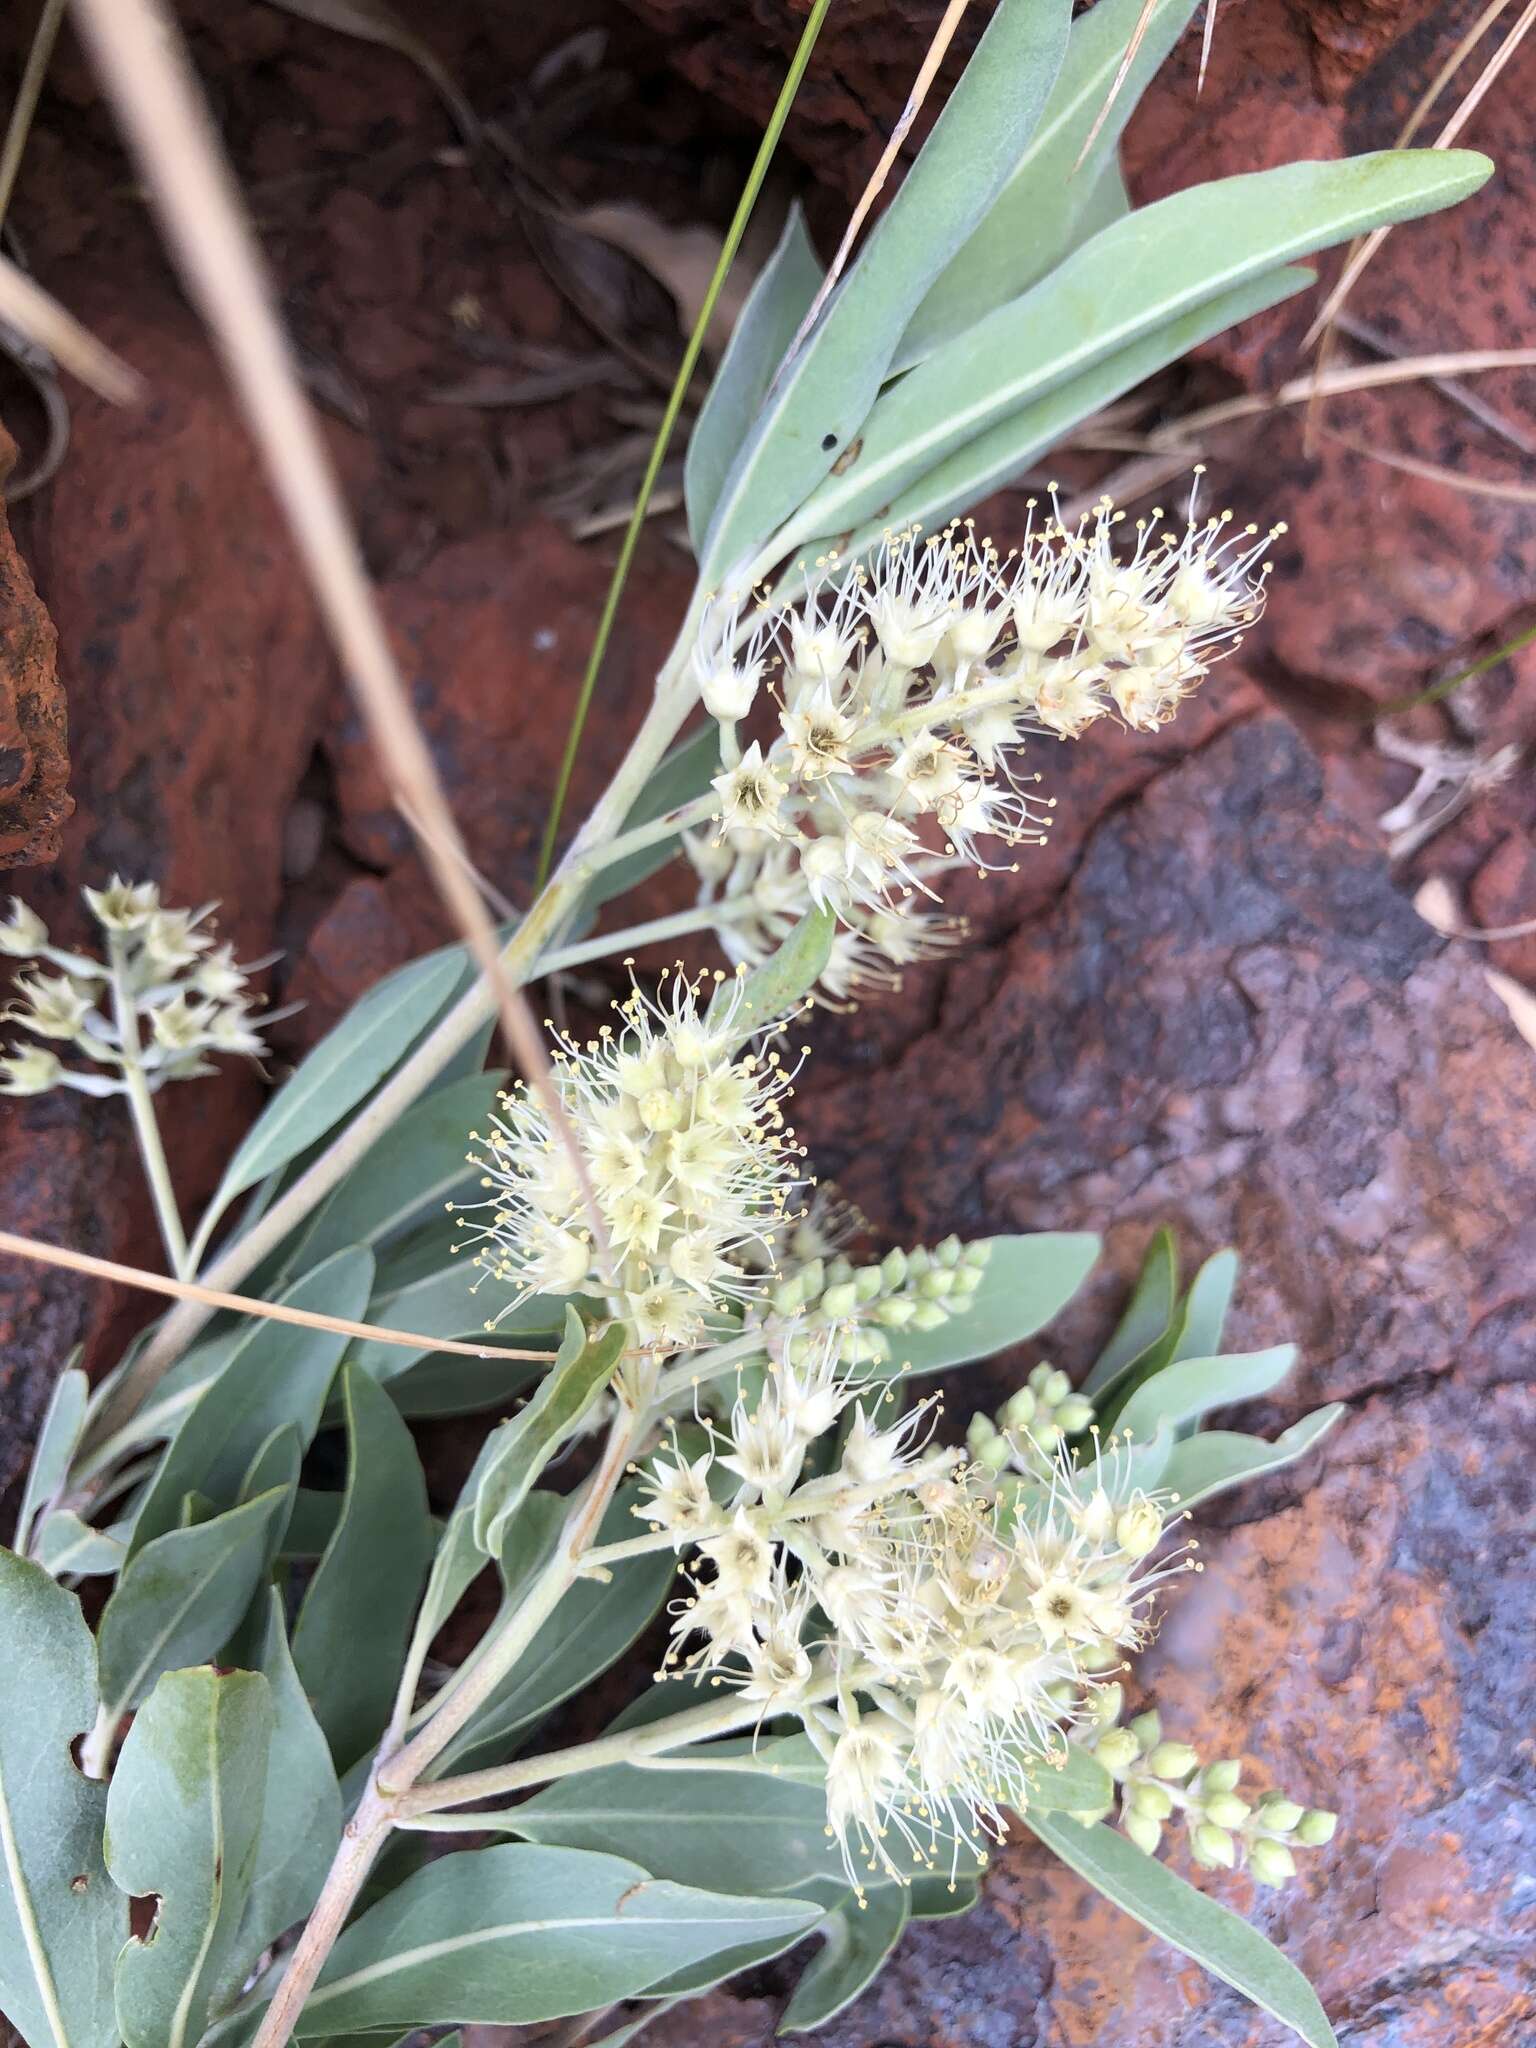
[373,21]
[681,259]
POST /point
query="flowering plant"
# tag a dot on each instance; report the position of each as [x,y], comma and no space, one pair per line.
[887,1643]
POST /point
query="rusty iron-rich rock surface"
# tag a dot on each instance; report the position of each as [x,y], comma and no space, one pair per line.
[34,720]
[1207,1002]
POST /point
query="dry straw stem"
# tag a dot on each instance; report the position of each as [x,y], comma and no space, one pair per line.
[1363,251]
[32,312]
[19,127]
[1437,473]
[144,67]
[41,1254]
[943,36]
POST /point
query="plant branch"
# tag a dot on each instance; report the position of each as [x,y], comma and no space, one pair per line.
[19,127]
[361,1840]
[702,917]
[146,1125]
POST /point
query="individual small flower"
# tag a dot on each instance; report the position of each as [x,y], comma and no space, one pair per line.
[123,906]
[729,661]
[30,1071]
[750,794]
[52,1005]
[820,736]
[23,934]
[679,1497]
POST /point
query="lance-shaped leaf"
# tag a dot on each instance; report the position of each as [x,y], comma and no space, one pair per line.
[778,301]
[56,1442]
[1225,1945]
[62,1921]
[66,1545]
[179,1599]
[1134,277]
[1218,1459]
[1204,1314]
[405,1178]
[522,1447]
[1146,1318]
[1026,1282]
[815,410]
[278,1376]
[183,1823]
[300,1811]
[857,1938]
[343,1068]
[1041,212]
[423,1288]
[517,1934]
[784,979]
[1191,1388]
[353,1627]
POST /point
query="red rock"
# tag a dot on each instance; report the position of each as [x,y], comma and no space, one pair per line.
[1504,893]
[34,718]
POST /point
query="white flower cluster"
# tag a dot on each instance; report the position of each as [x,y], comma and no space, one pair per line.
[685,1157]
[164,998]
[934,1638]
[905,692]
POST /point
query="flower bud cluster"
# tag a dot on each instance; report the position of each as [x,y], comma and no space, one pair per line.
[866,1308]
[162,1000]
[1027,1432]
[1162,1783]
[682,1155]
[905,693]
[933,1639]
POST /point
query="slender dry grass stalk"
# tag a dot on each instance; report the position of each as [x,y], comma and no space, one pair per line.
[928,70]
[19,127]
[40,1254]
[32,312]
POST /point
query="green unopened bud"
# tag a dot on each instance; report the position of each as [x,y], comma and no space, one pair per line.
[948,1253]
[1139,1529]
[937,1284]
[994,1454]
[918,1263]
[1153,1801]
[1046,1435]
[1222,1776]
[1056,1388]
[862,1347]
[1075,1414]
[1093,1657]
[839,1300]
[893,1268]
[981,1429]
[1172,1760]
[801,1350]
[1116,1749]
[1316,1827]
[1147,1729]
[977,1254]
[1061,1692]
[1213,1846]
[789,1295]
[1145,1832]
[1279,1813]
[928,1316]
[813,1277]
[1226,1809]
[1039,1374]
[1018,1411]
[967,1279]
[1271,1862]
[867,1281]
[1107,1704]
[895,1312]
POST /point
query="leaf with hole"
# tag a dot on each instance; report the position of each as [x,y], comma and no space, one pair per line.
[1131,279]
[1217,1939]
[814,412]
[517,1934]
[277,1376]
[62,1921]
[356,1618]
[178,1600]
[1052,196]
[183,1823]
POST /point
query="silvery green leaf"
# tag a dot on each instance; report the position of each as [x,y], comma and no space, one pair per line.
[406,1178]
[65,1544]
[178,1599]
[423,1288]
[1052,196]
[1147,1317]
[1192,1387]
[815,411]
[276,1464]
[1203,1316]
[522,1447]
[1217,1939]
[778,301]
[1218,1459]
[1131,279]
[344,1067]
[517,1934]
[301,1806]
[1003,452]
[277,1375]
[856,1939]
[312,1522]
[1070,1782]
[942,1898]
[594,1624]
[446,1384]
[62,1921]
[56,1441]
[683,775]
[183,1822]
[785,978]
[350,1637]
[1024,1284]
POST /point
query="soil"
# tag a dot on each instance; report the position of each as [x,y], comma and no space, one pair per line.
[1208,1003]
